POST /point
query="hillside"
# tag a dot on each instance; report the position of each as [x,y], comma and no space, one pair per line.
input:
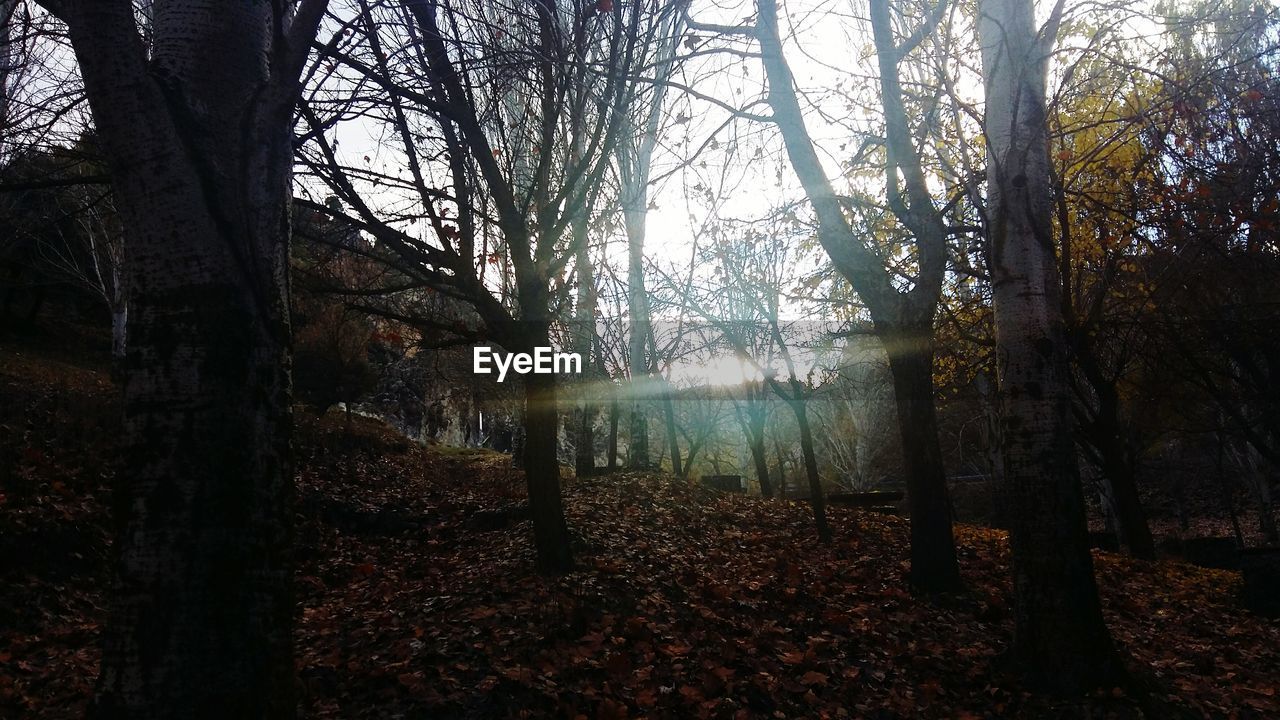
[417,599]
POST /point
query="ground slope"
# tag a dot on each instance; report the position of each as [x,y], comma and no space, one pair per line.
[417,598]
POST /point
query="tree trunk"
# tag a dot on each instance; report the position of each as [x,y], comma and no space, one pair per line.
[198,140]
[857,261]
[673,440]
[119,320]
[755,439]
[585,449]
[816,497]
[638,437]
[1120,476]
[933,557]
[542,470]
[1104,433]
[638,307]
[1060,640]
[782,468]
[614,412]
[7,54]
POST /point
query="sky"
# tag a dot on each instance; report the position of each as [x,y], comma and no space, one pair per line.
[739,172]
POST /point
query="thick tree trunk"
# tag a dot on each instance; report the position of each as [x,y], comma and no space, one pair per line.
[933,557]
[542,470]
[1060,640]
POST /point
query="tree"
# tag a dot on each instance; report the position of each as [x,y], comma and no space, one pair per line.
[744,309]
[1101,171]
[902,317]
[634,157]
[1060,639]
[196,133]
[504,116]
[1214,217]
[8,8]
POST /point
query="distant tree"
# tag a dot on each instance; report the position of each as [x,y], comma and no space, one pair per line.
[505,116]
[1212,258]
[645,120]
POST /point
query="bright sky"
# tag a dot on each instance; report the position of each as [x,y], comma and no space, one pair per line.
[740,172]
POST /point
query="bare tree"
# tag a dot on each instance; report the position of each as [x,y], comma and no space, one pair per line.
[634,157]
[505,117]
[903,318]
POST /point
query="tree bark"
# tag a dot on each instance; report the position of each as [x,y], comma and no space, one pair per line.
[541,468]
[934,567]
[7,10]
[857,261]
[585,410]
[817,499]
[1119,472]
[119,323]
[614,411]
[755,439]
[673,440]
[1060,640]
[198,141]
[638,308]
[1101,428]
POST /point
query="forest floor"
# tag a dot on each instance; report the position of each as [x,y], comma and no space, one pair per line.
[417,597]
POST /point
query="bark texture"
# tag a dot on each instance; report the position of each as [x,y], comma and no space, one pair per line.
[199,144]
[933,557]
[1060,640]
[542,469]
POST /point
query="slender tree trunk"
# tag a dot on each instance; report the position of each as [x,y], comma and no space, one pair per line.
[1060,640]
[858,262]
[635,161]
[7,56]
[585,450]
[119,321]
[541,468]
[934,567]
[1120,476]
[1227,495]
[817,499]
[782,468]
[755,426]
[1103,431]
[673,439]
[638,308]
[1266,509]
[614,412]
[585,407]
